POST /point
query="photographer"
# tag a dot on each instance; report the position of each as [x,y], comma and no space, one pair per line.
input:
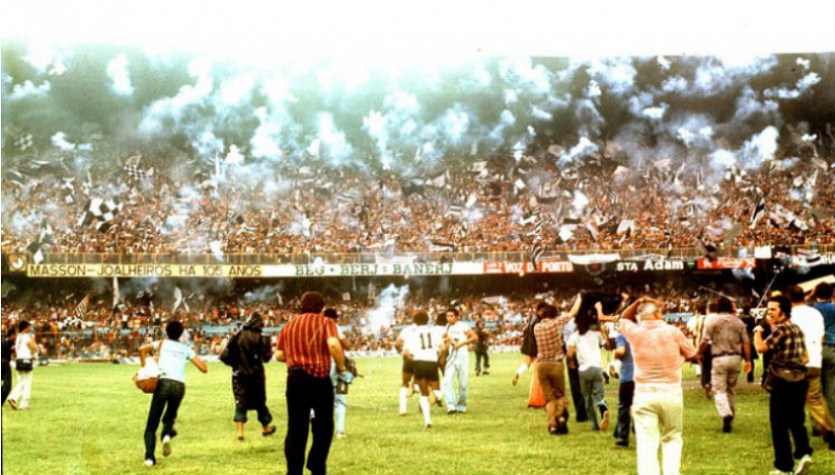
[340,399]
[25,349]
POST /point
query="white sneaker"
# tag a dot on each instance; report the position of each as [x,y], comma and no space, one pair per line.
[341,435]
[166,446]
[778,472]
[149,463]
[804,465]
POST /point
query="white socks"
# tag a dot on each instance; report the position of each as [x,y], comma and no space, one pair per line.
[403,392]
[522,368]
[424,408]
[438,394]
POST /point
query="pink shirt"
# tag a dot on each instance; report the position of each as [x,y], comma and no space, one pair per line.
[659,351]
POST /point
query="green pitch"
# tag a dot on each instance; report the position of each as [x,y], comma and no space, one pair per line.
[89,419]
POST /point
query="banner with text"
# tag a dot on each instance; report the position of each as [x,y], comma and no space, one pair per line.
[349,270]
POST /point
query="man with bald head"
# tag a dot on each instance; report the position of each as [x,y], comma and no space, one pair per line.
[659,351]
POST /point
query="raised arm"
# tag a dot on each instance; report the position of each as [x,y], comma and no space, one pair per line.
[143,351]
[200,364]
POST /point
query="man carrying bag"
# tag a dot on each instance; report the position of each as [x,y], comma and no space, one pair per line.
[25,350]
[787,386]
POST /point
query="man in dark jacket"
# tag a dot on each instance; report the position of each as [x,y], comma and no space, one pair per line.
[248,351]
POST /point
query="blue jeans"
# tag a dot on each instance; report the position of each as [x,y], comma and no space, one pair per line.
[167,397]
[591,385]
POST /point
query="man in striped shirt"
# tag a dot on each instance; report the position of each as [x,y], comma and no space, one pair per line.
[307,343]
[550,366]
[659,351]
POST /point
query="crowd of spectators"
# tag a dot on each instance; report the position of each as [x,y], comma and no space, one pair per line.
[491,205]
[106,334]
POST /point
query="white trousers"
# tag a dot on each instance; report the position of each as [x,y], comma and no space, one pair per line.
[23,389]
[658,423]
[457,366]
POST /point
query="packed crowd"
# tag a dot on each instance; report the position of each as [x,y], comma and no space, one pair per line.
[372,324]
[494,205]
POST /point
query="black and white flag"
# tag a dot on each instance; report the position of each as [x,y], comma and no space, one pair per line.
[103,211]
[759,212]
[536,252]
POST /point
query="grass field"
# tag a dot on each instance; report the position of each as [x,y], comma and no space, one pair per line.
[89,419]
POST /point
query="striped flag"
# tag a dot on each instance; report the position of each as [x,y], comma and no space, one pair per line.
[759,212]
[81,308]
[536,253]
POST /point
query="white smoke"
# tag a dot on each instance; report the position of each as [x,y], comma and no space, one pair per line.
[696,131]
[29,89]
[42,55]
[748,106]
[760,147]
[381,317]
[580,202]
[265,141]
[234,157]
[60,140]
[715,75]
[589,118]
[333,140]
[675,84]
[207,144]
[189,95]
[238,90]
[584,147]
[117,71]
[655,113]
[617,74]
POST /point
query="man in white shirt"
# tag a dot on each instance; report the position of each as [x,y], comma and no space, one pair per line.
[408,371]
[810,321]
[26,349]
[423,346]
[457,337]
[586,344]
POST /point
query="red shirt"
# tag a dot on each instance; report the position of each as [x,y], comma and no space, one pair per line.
[304,341]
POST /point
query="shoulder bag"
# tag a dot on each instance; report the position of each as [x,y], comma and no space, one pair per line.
[781,374]
[149,385]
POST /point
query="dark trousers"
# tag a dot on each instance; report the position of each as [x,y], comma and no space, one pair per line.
[577,394]
[785,411]
[304,392]
[167,397]
[707,366]
[250,395]
[626,392]
[264,415]
[7,379]
[481,354]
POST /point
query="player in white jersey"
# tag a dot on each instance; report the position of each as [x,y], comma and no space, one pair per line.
[408,367]
[423,346]
[458,336]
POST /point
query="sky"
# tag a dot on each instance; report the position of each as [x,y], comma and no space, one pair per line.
[363,28]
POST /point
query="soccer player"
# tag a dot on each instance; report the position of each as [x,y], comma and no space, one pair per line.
[408,371]
[458,336]
[422,347]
